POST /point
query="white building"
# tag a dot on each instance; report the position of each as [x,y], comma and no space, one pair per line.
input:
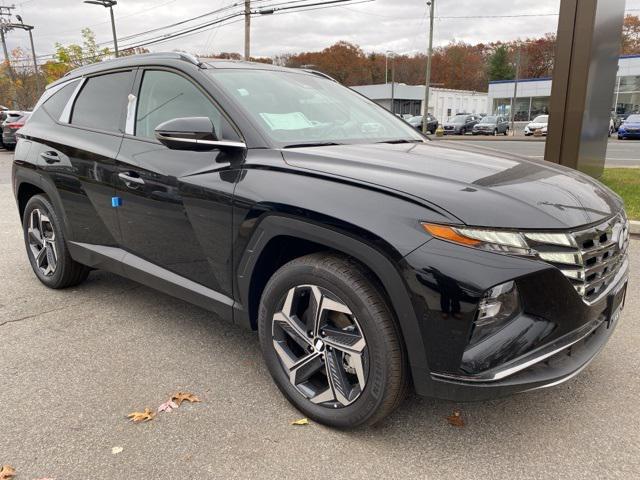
[533,94]
[443,102]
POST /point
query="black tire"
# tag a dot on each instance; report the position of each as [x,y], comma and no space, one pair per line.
[506,132]
[347,280]
[11,147]
[495,132]
[67,272]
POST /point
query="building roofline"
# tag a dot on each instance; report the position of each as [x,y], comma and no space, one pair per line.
[522,80]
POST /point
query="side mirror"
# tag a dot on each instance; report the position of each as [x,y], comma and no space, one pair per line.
[192,133]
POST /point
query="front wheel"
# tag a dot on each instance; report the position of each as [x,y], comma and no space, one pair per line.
[330,341]
[46,246]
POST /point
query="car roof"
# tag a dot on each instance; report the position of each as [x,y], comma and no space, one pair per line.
[173,58]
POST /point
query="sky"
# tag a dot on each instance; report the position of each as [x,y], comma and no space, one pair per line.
[380,25]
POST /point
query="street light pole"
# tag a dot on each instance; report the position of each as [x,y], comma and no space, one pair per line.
[431,4]
[29,28]
[393,80]
[109,4]
[514,99]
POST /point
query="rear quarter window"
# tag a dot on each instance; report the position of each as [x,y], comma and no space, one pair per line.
[56,103]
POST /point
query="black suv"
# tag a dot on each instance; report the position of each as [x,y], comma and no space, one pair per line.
[460,124]
[366,257]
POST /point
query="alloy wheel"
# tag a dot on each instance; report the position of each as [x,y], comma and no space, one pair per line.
[42,242]
[321,346]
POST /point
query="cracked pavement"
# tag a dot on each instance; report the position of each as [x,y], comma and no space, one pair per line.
[74,363]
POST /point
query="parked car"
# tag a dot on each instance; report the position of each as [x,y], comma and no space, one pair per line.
[541,122]
[491,125]
[630,128]
[10,127]
[432,123]
[8,116]
[460,124]
[363,254]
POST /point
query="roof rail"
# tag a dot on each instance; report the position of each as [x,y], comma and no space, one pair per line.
[320,74]
[187,57]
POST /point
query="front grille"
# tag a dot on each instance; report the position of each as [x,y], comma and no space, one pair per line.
[590,258]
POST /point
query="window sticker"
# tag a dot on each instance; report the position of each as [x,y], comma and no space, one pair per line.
[286,121]
[243,92]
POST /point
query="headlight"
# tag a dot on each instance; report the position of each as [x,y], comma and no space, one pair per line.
[498,306]
[495,240]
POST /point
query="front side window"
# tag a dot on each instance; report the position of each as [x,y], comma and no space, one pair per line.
[297,109]
[165,96]
[102,101]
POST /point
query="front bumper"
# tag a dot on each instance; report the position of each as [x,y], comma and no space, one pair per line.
[574,332]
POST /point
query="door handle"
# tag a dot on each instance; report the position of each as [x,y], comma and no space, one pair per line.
[130,178]
[50,157]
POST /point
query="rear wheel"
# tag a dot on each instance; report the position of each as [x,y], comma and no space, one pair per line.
[330,341]
[46,246]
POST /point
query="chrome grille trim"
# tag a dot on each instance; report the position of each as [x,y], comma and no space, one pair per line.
[593,260]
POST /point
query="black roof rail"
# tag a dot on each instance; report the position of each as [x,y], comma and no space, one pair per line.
[319,73]
[187,57]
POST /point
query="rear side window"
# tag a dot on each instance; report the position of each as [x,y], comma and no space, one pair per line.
[165,96]
[102,101]
[56,103]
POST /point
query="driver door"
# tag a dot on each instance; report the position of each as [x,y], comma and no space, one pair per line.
[175,211]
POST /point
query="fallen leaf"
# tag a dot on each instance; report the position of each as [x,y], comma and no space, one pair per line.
[180,397]
[116,450]
[302,421]
[455,419]
[142,416]
[7,472]
[168,406]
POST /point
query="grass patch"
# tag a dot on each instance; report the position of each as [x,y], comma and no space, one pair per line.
[626,183]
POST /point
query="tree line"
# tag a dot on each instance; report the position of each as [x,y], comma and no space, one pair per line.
[457,65]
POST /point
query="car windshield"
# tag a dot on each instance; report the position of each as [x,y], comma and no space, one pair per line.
[541,119]
[459,119]
[489,120]
[633,119]
[296,109]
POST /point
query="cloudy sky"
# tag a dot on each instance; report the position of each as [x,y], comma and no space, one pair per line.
[398,25]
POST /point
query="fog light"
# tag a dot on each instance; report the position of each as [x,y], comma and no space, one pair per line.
[498,306]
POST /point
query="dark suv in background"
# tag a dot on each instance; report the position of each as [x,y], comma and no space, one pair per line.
[363,255]
[460,124]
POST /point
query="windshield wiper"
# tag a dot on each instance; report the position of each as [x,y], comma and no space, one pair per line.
[401,140]
[311,144]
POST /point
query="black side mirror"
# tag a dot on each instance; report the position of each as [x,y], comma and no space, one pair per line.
[192,133]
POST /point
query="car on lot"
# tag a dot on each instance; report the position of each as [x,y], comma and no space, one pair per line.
[630,128]
[460,124]
[491,125]
[8,116]
[540,123]
[10,127]
[432,123]
[368,258]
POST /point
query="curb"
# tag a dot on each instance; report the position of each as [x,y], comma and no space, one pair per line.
[635,228]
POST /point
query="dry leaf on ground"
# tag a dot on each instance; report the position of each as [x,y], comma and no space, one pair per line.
[455,419]
[180,397]
[142,416]
[168,406]
[7,472]
[116,450]
[302,421]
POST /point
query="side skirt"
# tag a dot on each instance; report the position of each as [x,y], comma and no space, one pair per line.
[121,262]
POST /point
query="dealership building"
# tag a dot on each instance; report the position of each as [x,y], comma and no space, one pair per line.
[443,102]
[533,94]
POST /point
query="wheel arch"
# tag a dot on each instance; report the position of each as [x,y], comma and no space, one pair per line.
[251,276]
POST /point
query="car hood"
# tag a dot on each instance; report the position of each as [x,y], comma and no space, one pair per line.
[486,125]
[475,186]
[630,125]
[537,125]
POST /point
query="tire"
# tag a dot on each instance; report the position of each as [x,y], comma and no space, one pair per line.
[495,132]
[11,147]
[355,311]
[54,267]
[506,132]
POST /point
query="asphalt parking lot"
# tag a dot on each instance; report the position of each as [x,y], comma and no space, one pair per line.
[74,363]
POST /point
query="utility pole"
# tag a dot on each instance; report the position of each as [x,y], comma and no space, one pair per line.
[247,30]
[515,92]
[386,68]
[393,80]
[4,28]
[431,5]
[108,4]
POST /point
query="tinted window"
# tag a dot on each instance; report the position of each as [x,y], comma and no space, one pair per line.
[101,101]
[165,96]
[56,103]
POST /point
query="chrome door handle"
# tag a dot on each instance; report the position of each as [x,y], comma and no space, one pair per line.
[128,178]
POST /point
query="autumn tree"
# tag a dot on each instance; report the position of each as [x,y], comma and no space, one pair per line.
[499,65]
[631,35]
